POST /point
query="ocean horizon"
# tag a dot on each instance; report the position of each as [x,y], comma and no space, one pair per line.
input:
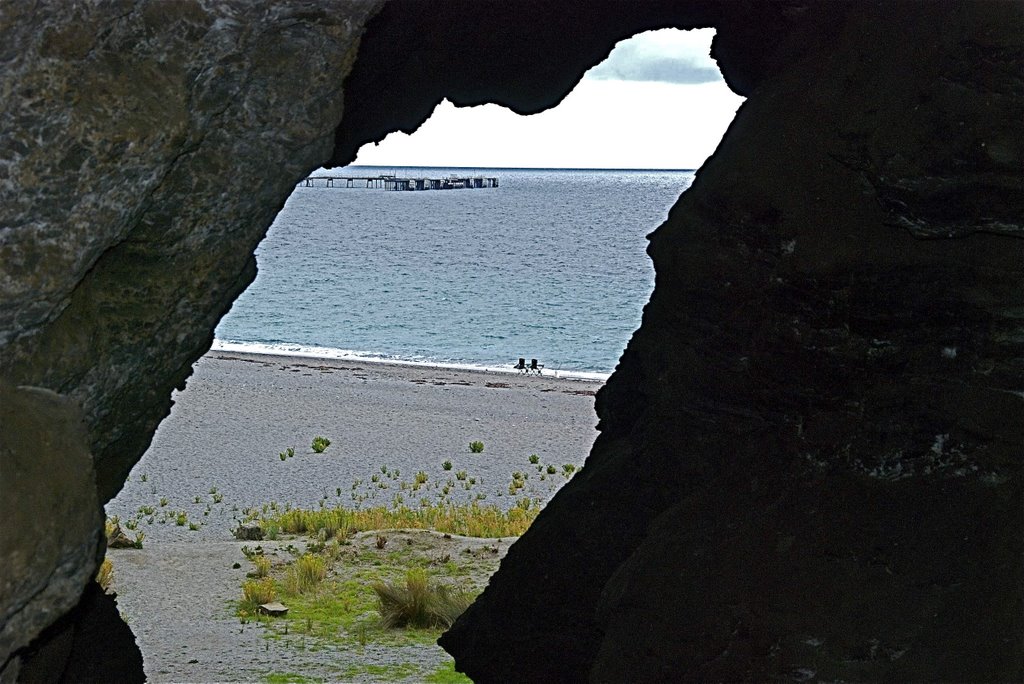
[550,265]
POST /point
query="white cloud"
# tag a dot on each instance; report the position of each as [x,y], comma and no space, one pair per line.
[604,123]
[667,56]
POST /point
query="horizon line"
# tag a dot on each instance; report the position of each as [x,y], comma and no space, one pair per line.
[510,168]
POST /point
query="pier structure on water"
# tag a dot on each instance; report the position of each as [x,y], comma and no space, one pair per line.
[396,183]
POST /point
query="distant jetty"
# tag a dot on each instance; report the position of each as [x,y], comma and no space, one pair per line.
[396,183]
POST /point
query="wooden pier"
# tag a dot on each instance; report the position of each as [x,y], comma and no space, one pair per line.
[396,183]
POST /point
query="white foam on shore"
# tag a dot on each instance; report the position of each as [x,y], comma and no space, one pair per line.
[312,352]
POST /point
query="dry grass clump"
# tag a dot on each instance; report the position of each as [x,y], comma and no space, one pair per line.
[305,574]
[105,574]
[419,603]
[471,520]
[262,564]
[255,593]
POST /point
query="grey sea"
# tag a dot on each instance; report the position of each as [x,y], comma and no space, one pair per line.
[549,265]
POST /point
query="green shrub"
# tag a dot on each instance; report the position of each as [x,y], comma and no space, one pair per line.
[476,447]
[447,465]
[421,478]
[534,459]
[461,475]
[319,444]
[568,469]
[552,470]
[419,603]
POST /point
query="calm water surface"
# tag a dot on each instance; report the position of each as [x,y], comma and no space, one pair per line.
[551,265]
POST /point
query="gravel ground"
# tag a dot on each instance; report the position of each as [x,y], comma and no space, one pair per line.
[218,454]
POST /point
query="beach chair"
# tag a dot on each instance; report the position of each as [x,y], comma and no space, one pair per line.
[535,367]
[521,366]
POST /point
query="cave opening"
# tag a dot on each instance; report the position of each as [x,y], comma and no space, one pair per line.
[369,324]
[809,463]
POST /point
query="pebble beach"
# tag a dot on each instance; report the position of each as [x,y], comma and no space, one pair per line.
[219,453]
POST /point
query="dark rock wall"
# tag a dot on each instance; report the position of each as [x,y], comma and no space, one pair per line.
[810,456]
[145,147]
[810,459]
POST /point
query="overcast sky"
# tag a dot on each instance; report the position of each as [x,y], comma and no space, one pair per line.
[657,102]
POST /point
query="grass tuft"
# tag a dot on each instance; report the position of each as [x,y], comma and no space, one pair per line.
[255,593]
[419,603]
[476,447]
[320,444]
[305,574]
[262,564]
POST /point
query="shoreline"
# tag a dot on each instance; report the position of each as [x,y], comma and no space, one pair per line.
[240,411]
[289,350]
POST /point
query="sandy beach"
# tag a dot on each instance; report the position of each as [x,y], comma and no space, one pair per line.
[218,453]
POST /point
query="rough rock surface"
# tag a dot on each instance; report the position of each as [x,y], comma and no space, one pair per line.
[146,147]
[51,519]
[829,368]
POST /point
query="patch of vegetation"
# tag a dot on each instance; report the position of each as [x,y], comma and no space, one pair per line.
[262,564]
[446,674]
[288,453]
[343,609]
[305,574]
[476,447]
[387,673]
[534,459]
[320,444]
[447,465]
[471,520]
[289,678]
[255,593]
[418,602]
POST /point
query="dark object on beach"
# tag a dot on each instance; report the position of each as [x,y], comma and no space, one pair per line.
[236,566]
[117,539]
[534,366]
[274,609]
[521,365]
[249,532]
